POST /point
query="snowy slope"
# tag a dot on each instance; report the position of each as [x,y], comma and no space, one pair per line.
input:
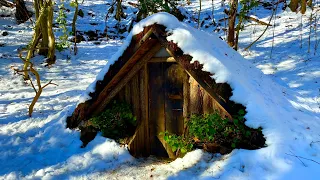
[285,102]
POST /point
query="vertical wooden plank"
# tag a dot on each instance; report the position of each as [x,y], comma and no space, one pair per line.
[127,94]
[144,108]
[161,120]
[134,88]
[195,97]
[121,95]
[207,103]
[186,101]
[135,100]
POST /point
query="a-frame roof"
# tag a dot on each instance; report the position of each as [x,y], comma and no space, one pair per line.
[143,46]
[210,61]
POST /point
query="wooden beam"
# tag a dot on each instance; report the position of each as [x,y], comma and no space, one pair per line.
[161,59]
[144,38]
[117,84]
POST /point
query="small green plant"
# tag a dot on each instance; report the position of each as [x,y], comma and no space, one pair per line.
[61,20]
[116,122]
[177,143]
[212,128]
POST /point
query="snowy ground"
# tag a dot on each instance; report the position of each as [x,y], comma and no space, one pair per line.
[41,147]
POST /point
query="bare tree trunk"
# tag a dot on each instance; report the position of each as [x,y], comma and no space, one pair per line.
[199,22]
[51,40]
[75,17]
[231,21]
[119,12]
[22,14]
[44,30]
[237,34]
[32,47]
[36,8]
[74,30]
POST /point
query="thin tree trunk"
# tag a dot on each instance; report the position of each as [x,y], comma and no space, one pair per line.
[237,34]
[74,30]
[231,21]
[51,40]
[199,22]
[119,12]
[37,12]
[273,13]
[34,43]
[36,8]
[75,16]
[44,30]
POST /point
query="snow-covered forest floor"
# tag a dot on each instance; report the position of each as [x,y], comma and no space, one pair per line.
[41,146]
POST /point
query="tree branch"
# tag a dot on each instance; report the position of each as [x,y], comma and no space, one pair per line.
[273,12]
[302,158]
[7,3]
[247,18]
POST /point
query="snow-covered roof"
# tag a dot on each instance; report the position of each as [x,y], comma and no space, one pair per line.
[265,101]
[227,66]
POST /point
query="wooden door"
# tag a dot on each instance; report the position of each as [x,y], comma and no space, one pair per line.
[165,104]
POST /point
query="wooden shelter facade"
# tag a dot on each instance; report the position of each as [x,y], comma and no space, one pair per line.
[162,86]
